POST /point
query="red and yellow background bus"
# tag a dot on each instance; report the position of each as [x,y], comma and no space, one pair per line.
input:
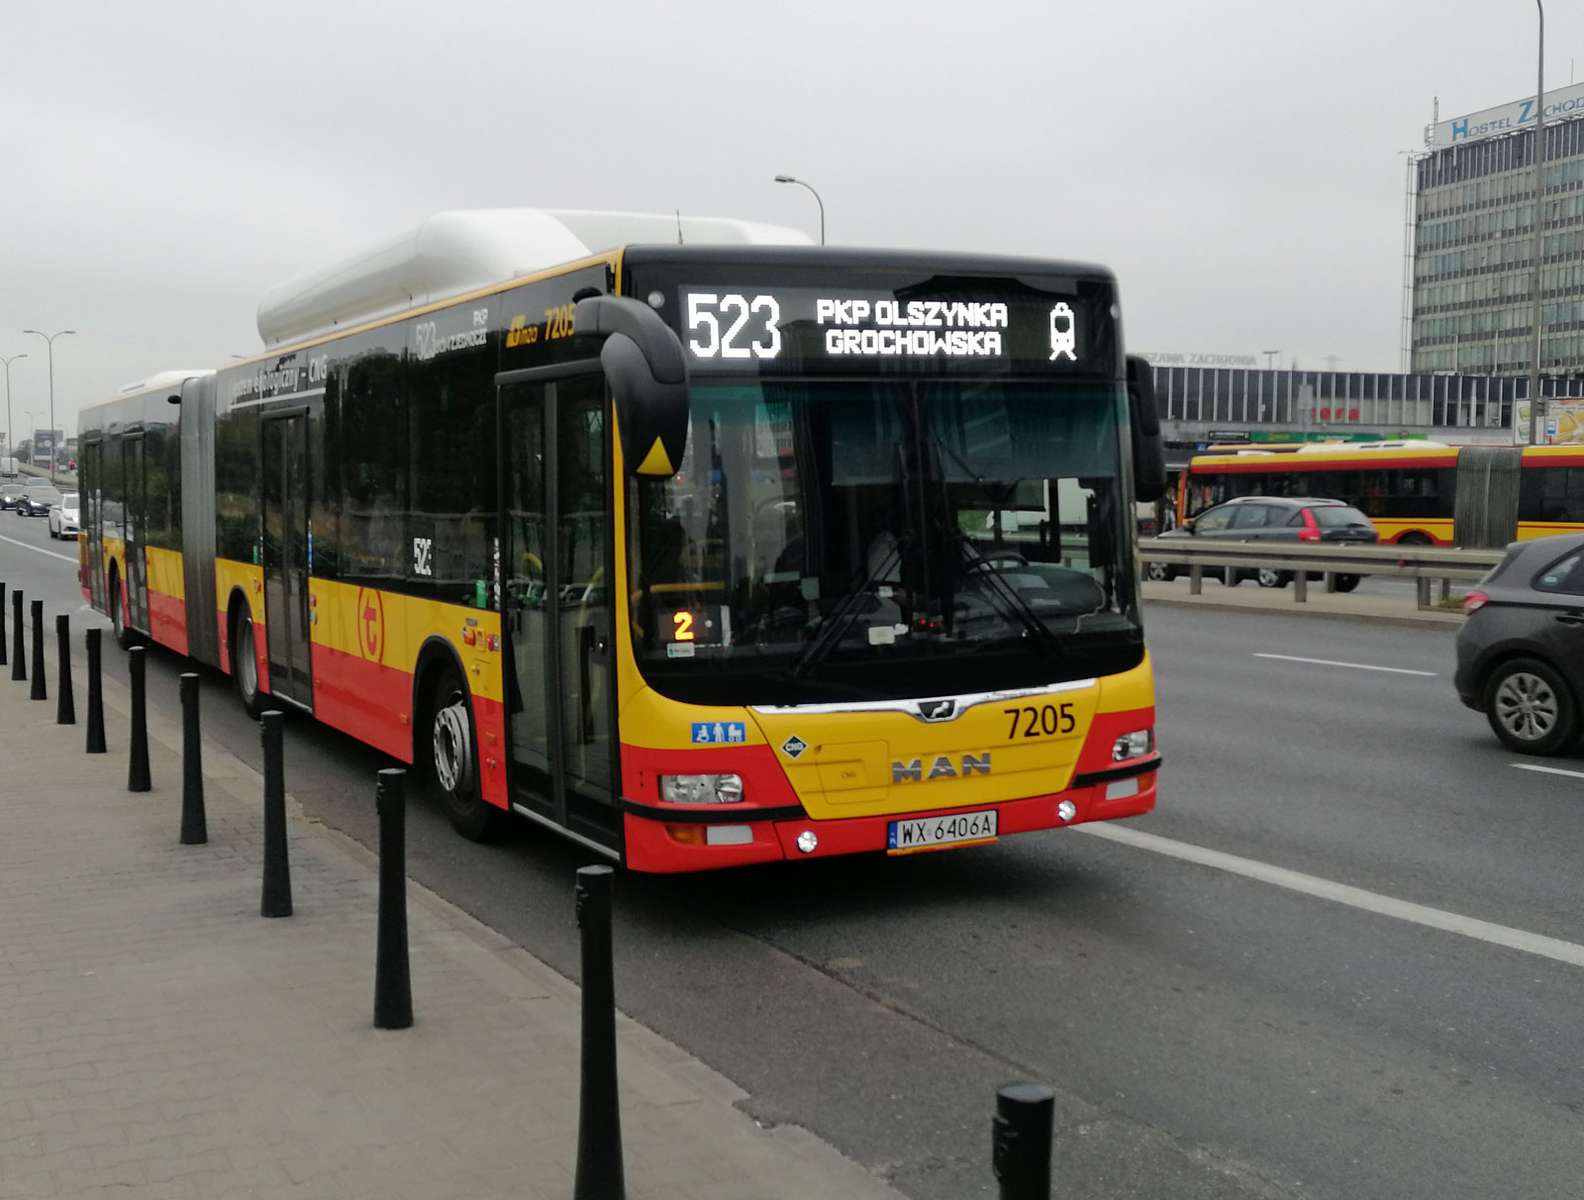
[1415,493]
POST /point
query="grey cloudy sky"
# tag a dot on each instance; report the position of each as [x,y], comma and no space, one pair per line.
[1235,162]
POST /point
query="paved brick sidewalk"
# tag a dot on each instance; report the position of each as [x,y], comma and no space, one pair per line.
[160,1041]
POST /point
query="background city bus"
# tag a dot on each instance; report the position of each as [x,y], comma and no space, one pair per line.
[1414,493]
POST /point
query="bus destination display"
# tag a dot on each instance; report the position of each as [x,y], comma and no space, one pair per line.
[799,328]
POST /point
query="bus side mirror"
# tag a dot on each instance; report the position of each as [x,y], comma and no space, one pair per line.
[1149,456]
[647,373]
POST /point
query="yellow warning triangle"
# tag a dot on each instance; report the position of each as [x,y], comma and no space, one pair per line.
[656,462]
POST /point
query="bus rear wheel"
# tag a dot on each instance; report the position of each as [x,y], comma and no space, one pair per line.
[244,664]
[118,626]
[450,764]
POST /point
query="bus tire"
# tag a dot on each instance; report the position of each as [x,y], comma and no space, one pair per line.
[1346,583]
[1269,577]
[244,661]
[1529,707]
[449,758]
[124,637]
[1413,539]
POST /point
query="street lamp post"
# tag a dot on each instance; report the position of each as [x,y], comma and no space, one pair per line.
[10,432]
[1270,359]
[817,200]
[1539,211]
[49,339]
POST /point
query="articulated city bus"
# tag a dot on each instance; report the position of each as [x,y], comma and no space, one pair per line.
[684,550]
[1415,493]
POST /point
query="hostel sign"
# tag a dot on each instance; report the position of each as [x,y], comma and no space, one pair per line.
[1506,118]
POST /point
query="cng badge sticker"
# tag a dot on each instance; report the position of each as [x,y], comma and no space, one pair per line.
[793,746]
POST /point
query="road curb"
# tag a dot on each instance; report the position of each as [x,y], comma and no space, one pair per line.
[1429,620]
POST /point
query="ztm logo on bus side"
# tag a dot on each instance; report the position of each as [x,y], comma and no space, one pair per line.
[371,624]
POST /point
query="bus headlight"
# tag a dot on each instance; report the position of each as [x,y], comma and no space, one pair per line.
[701,789]
[1133,745]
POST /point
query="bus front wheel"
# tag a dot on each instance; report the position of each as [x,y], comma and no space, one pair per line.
[450,760]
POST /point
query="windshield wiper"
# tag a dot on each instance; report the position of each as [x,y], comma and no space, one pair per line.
[1020,608]
[833,627]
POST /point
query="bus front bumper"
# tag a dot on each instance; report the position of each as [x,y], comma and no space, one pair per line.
[660,843]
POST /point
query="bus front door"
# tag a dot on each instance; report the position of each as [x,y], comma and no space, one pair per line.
[555,601]
[285,494]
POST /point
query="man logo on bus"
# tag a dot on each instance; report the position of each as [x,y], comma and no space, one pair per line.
[1063,332]
[370,624]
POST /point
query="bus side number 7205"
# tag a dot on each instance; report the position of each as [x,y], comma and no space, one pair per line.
[1045,719]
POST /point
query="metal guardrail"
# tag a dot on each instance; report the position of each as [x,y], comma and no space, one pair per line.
[1424,564]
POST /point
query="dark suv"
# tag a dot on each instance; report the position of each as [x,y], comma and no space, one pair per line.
[1274,519]
[1520,654]
[12,490]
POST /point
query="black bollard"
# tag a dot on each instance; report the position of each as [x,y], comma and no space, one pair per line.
[138,760]
[39,692]
[65,704]
[277,898]
[1020,1140]
[2,626]
[599,1150]
[18,649]
[96,737]
[392,978]
[194,828]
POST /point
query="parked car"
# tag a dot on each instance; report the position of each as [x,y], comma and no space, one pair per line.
[1274,519]
[36,500]
[12,491]
[63,517]
[1520,654]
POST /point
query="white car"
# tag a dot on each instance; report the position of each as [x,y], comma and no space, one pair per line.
[63,517]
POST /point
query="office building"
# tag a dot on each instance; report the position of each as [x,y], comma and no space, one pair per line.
[1473,242]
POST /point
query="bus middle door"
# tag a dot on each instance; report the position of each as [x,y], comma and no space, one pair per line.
[285,507]
[136,516]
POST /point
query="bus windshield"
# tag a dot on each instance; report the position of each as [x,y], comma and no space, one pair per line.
[829,541]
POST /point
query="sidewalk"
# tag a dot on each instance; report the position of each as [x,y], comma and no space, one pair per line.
[1392,610]
[161,1041]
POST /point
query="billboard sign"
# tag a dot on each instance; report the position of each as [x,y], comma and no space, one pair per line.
[1505,118]
[1563,425]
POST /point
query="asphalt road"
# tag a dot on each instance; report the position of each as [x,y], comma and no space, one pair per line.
[1247,1027]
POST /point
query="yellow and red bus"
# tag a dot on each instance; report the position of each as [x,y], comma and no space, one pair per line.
[691,552]
[1415,494]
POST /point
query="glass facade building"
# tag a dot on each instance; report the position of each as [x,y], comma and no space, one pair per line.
[1195,400]
[1473,254]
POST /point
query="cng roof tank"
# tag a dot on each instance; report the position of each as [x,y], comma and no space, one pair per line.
[452,253]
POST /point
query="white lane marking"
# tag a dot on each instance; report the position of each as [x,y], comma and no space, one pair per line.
[1331,662]
[1341,893]
[39,549]
[1547,770]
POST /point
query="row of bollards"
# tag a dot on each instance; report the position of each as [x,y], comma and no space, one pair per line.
[1022,1126]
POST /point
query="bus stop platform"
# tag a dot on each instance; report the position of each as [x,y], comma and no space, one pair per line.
[159,1040]
[1399,608]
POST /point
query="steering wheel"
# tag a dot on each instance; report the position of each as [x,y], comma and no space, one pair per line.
[990,562]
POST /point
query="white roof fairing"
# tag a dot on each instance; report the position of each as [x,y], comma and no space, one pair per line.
[455,252]
[162,381]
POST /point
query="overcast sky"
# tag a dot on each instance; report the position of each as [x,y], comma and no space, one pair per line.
[1235,162]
